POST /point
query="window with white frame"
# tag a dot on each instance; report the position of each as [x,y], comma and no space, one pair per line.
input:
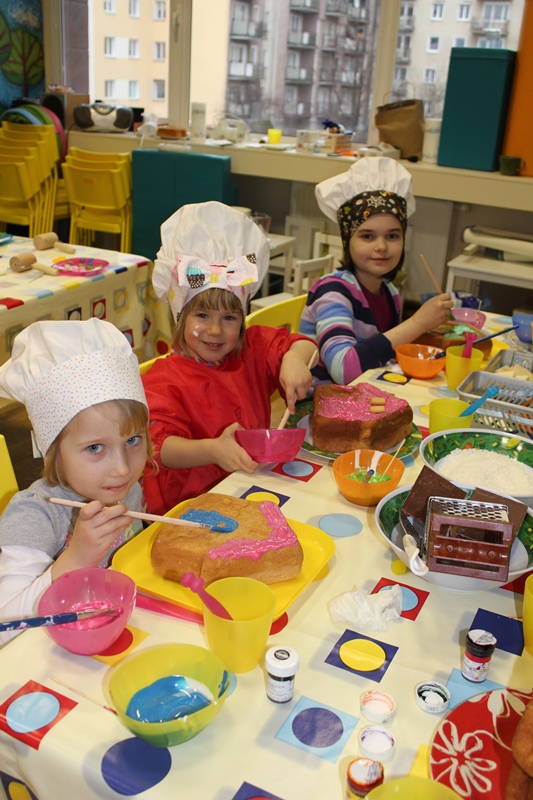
[160,9]
[496,12]
[430,75]
[490,44]
[437,10]
[407,12]
[159,51]
[134,9]
[158,90]
[133,90]
[459,41]
[133,48]
[463,12]
[109,6]
[109,90]
[109,46]
[400,74]
[433,44]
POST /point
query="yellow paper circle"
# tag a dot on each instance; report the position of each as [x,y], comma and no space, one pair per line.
[362,655]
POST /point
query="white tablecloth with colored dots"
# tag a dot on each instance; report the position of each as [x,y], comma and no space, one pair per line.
[121,293]
[57,743]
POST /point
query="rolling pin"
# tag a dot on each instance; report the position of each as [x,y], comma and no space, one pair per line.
[44,241]
[26,261]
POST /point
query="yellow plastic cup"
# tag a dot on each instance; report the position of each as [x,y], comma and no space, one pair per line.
[457,367]
[444,415]
[412,788]
[527,614]
[274,135]
[240,642]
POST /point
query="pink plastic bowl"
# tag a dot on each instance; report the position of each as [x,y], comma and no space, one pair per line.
[73,591]
[469,315]
[265,445]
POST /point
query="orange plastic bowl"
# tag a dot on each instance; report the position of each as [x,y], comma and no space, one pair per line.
[415,361]
[367,494]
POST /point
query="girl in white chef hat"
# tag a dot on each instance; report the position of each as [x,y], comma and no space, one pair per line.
[82,390]
[354,313]
[220,376]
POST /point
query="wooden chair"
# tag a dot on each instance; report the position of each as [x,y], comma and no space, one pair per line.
[328,244]
[8,483]
[279,315]
[306,272]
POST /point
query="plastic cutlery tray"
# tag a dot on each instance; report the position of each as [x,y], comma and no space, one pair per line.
[511,411]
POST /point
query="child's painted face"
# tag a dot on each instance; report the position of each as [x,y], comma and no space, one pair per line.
[212,334]
[99,463]
[376,248]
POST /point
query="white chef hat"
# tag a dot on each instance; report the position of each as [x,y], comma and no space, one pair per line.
[58,369]
[368,174]
[209,246]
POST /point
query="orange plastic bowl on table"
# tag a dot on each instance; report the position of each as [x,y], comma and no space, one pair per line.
[415,361]
[367,494]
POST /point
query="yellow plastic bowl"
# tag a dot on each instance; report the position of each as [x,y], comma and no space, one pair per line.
[367,494]
[411,788]
[139,671]
[416,362]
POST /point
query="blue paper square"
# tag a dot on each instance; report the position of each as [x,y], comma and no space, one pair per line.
[317,728]
[249,792]
[258,490]
[374,656]
[460,689]
[508,631]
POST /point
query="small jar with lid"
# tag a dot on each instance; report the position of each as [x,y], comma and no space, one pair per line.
[281,664]
[480,646]
[362,776]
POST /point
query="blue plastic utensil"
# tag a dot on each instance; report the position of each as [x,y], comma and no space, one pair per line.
[196,584]
[483,339]
[492,391]
[58,619]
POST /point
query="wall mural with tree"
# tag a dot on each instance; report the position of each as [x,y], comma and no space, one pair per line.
[21,50]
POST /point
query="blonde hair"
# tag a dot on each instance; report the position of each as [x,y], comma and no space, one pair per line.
[210,300]
[133,416]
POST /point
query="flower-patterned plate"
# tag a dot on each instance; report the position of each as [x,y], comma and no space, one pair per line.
[302,418]
[471,748]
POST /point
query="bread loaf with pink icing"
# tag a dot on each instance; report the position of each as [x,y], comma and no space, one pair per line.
[358,417]
[255,541]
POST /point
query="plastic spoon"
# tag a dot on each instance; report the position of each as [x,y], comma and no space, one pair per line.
[492,391]
[196,585]
[469,341]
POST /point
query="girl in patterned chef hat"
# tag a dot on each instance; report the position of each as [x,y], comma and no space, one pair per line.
[219,376]
[82,390]
[354,313]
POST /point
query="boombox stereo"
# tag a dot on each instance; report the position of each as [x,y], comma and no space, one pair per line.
[102,117]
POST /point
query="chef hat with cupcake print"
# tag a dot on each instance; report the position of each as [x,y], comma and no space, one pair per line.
[209,246]
[58,369]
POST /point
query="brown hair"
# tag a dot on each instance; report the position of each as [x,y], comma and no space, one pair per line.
[209,300]
[133,416]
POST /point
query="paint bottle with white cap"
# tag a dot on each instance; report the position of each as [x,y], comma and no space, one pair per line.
[281,664]
[480,646]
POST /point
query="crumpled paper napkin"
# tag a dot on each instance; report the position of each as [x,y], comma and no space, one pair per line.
[359,609]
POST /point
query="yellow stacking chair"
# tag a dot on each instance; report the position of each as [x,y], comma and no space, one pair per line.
[280,315]
[8,482]
[99,201]
[20,196]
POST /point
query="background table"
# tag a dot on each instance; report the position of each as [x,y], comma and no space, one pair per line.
[122,294]
[292,751]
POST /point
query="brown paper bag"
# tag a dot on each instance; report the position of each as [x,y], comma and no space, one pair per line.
[401,124]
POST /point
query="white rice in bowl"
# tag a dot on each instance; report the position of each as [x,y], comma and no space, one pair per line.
[492,471]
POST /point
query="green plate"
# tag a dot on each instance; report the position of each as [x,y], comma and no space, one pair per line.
[301,420]
[438,445]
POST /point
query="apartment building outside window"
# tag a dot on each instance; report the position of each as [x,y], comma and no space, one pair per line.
[437,10]
[109,6]
[496,12]
[134,9]
[430,75]
[133,90]
[463,12]
[459,41]
[433,44]
[159,51]
[160,11]
[133,48]
[109,90]
[158,90]
[109,46]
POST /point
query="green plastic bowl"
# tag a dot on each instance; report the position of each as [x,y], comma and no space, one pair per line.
[141,670]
